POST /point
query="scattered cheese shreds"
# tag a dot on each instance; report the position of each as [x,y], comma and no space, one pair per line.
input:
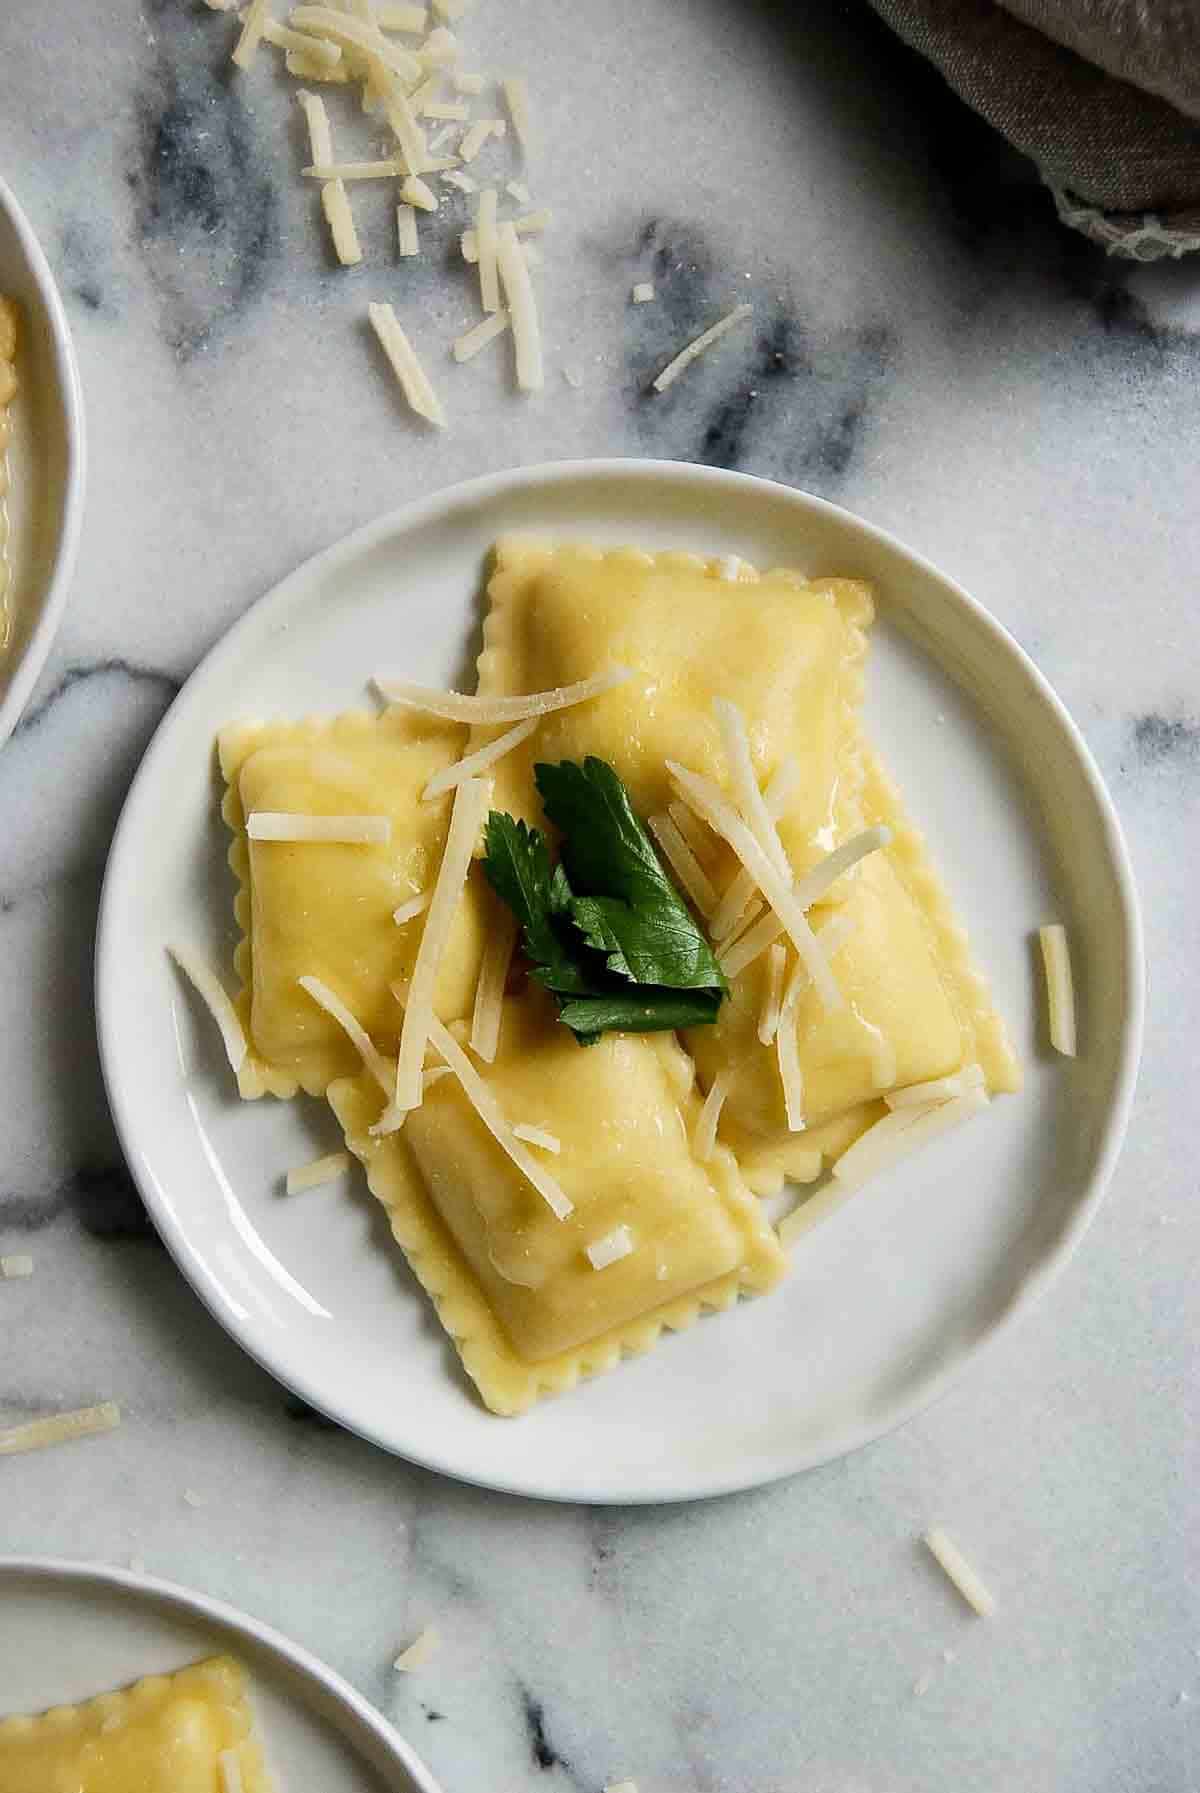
[358,1036]
[768,1021]
[216,999]
[316,49]
[729,917]
[951,1560]
[683,862]
[387,170]
[453,111]
[488,1109]
[611,1248]
[622,1787]
[311,68]
[467,346]
[935,1089]
[519,191]
[450,11]
[231,1771]
[479,761]
[516,98]
[252,32]
[709,804]
[830,937]
[455,706]
[787,1052]
[705,1139]
[405,129]
[697,836]
[320,136]
[532,224]
[486,246]
[320,1171]
[489,991]
[416,192]
[418,1652]
[440,49]
[340,219]
[324,21]
[474,139]
[414,19]
[736,955]
[643,292]
[407,369]
[59,1428]
[350,831]
[522,308]
[735,740]
[461,182]
[1060,987]
[471,800]
[812,1210]
[469,244]
[901,1132]
[467,83]
[695,349]
[407,240]
[538,1136]
[415,906]
[17,1264]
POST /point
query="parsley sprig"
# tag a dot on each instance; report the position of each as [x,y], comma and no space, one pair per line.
[604,930]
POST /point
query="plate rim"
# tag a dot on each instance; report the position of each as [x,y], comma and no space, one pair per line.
[66,548]
[486,488]
[195,1604]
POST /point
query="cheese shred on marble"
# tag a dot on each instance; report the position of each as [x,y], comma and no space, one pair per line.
[469,344]
[694,350]
[954,1564]
[216,999]
[1060,987]
[517,289]
[59,1428]
[418,1652]
[408,370]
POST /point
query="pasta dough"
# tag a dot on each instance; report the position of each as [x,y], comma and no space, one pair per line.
[163,1735]
[322,910]
[513,1285]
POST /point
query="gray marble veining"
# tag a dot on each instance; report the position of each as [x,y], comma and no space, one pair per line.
[927,347]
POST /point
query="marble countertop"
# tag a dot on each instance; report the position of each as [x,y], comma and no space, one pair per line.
[928,348]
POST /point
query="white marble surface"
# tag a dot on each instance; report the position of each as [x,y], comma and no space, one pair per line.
[929,349]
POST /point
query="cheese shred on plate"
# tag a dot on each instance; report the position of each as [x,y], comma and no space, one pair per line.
[739,953]
[471,801]
[694,350]
[537,1136]
[355,1032]
[787,1052]
[479,761]
[517,288]
[489,1111]
[456,706]
[683,862]
[1060,987]
[59,1428]
[349,831]
[903,1131]
[407,240]
[320,1171]
[954,1564]
[610,1249]
[705,1138]
[768,1020]
[489,991]
[407,369]
[418,1652]
[216,999]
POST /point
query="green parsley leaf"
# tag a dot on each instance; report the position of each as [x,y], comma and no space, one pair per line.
[644,1011]
[517,867]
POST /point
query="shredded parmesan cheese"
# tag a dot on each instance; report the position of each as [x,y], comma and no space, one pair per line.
[768,1021]
[683,863]
[522,308]
[440,49]
[454,111]
[403,17]
[705,1139]
[416,192]
[386,170]
[479,761]
[694,350]
[611,1248]
[216,999]
[966,1579]
[230,1770]
[787,1052]
[352,34]
[709,804]
[312,68]
[318,49]
[418,1652]
[735,956]
[489,991]
[901,1132]
[698,838]
[409,911]
[340,219]
[471,800]
[320,1171]
[320,137]
[532,223]
[467,346]
[747,795]
[486,246]
[474,139]
[450,11]
[358,1036]
[252,31]
[936,1089]
[408,370]
[488,1109]
[16,1265]
[402,119]
[734,911]
[516,98]
[407,240]
[537,1136]
[59,1428]
[461,182]
[1060,987]
[350,831]
[467,83]
[643,292]
[455,706]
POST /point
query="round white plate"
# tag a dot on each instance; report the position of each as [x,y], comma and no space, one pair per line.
[46,461]
[76,1629]
[886,1302]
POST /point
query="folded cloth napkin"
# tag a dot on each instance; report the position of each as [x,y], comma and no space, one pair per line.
[1104,95]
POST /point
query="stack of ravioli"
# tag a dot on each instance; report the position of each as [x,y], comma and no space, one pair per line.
[513,1283]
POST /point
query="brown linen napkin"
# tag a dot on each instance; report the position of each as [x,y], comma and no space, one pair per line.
[1104,95]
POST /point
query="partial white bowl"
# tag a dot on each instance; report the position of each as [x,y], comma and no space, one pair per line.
[47,462]
[77,1629]
[891,1298]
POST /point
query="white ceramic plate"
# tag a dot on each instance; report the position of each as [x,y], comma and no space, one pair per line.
[75,1629]
[45,503]
[890,1299]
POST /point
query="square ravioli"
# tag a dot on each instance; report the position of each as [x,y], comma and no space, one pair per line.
[317,909]
[513,1285]
[165,1734]
[788,651]
[915,1008]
